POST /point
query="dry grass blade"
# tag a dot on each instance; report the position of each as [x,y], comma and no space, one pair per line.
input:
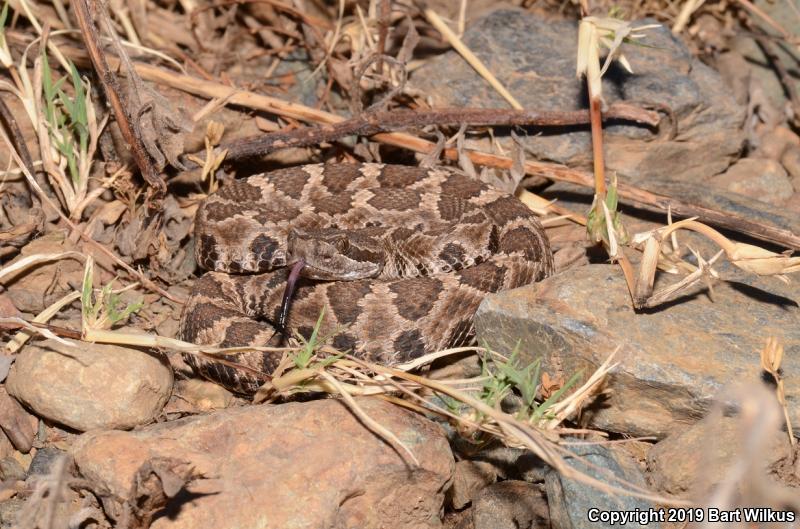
[470,57]
[367,420]
[771,359]
[43,317]
[32,329]
[31,260]
[565,408]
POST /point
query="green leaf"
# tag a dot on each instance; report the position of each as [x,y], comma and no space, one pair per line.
[303,357]
[3,16]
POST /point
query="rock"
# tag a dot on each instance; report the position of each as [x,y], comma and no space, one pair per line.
[43,461]
[699,194]
[761,66]
[512,44]
[760,178]
[11,470]
[90,386]
[572,502]
[672,360]
[469,478]
[511,505]
[201,395]
[18,425]
[309,464]
[791,162]
[8,512]
[687,462]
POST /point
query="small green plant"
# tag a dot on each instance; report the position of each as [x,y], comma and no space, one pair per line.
[302,359]
[67,118]
[68,130]
[105,308]
[503,377]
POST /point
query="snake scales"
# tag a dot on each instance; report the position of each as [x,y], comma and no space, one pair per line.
[418,249]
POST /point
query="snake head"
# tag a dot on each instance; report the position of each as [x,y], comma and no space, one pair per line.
[334,255]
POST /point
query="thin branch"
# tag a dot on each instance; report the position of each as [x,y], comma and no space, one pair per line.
[114,96]
[370,124]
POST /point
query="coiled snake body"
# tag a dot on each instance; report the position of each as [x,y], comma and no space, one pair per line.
[416,251]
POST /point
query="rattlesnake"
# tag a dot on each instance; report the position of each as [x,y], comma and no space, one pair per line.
[420,247]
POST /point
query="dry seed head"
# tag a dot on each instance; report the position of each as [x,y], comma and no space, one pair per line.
[609,33]
[762,262]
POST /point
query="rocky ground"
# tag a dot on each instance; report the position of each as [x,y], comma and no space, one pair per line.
[696,411]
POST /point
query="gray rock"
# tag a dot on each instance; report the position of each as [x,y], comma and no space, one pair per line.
[571,501]
[514,44]
[303,465]
[760,178]
[43,461]
[672,360]
[511,505]
[91,386]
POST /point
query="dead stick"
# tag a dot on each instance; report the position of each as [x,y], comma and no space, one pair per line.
[373,123]
[114,96]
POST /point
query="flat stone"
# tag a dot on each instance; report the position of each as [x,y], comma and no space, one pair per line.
[760,178]
[90,386]
[299,465]
[672,360]
[512,44]
[572,501]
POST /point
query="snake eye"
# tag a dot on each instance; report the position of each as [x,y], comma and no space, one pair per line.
[342,244]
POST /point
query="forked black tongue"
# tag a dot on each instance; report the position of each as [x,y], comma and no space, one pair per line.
[288,295]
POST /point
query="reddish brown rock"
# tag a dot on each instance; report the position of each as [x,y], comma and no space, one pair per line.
[304,465]
[90,386]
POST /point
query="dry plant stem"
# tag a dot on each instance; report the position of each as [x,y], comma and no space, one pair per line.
[531,438]
[114,95]
[556,172]
[42,318]
[597,150]
[16,135]
[76,229]
[370,124]
[368,421]
[470,57]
